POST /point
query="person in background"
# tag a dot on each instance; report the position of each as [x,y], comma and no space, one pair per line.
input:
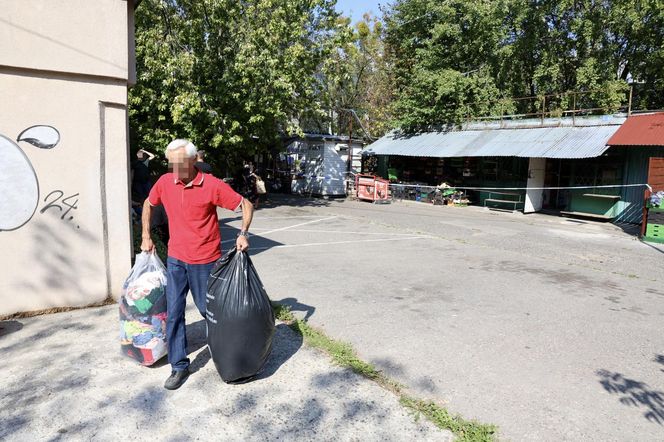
[190,199]
[201,164]
[140,175]
[250,189]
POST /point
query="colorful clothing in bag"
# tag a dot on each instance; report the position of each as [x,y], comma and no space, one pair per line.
[143,311]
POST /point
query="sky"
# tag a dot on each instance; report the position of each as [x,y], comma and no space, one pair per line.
[356,8]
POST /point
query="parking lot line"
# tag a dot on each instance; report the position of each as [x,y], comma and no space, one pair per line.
[311,244]
[287,227]
[352,233]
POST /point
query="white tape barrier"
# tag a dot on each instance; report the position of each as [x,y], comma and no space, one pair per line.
[523,188]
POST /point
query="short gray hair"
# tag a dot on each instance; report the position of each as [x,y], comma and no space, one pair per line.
[189,147]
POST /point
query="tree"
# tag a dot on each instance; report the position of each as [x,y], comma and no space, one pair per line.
[454,58]
[445,55]
[363,80]
[231,76]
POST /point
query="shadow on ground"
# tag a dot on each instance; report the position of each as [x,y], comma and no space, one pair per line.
[660,360]
[633,393]
[284,346]
[257,243]
[8,327]
[295,306]
[394,369]
[275,200]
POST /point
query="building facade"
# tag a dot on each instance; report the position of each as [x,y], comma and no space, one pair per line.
[321,164]
[570,166]
[65,67]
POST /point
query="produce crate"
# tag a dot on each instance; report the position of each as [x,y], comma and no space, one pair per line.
[654,233]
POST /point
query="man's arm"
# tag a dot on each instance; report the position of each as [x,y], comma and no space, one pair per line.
[149,154]
[146,244]
[242,242]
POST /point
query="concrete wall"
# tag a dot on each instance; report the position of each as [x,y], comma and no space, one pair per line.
[82,36]
[64,189]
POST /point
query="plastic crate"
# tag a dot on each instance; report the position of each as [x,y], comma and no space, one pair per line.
[654,233]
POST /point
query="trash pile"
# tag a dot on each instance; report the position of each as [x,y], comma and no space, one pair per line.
[445,194]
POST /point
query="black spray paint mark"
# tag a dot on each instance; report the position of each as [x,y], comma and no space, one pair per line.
[55,197]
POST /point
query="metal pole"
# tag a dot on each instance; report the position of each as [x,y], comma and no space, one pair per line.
[629,105]
[350,145]
[574,109]
[543,110]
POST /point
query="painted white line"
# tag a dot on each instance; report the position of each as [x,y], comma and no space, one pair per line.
[227,221]
[353,233]
[311,244]
[288,227]
[287,217]
[253,229]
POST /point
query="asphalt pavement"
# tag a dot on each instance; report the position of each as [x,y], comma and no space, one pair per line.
[546,326]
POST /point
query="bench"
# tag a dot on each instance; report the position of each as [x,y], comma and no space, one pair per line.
[503,200]
[597,195]
[587,215]
[592,205]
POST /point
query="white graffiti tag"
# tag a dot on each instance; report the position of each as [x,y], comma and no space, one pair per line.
[19,186]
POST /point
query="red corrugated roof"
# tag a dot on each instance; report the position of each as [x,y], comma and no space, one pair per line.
[640,130]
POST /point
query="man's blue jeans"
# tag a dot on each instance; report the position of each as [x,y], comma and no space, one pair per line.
[181,278]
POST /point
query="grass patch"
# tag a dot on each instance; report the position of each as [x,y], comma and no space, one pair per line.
[464,430]
[344,355]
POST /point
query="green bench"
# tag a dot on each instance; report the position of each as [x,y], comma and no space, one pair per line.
[504,198]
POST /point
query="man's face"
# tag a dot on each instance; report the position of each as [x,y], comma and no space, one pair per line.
[180,164]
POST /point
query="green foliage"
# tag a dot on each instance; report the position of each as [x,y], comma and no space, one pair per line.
[455,59]
[282,312]
[160,246]
[231,76]
[358,77]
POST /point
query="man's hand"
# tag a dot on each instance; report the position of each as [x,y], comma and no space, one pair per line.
[242,243]
[147,245]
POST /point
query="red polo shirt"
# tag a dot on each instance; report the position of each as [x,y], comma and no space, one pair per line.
[192,215]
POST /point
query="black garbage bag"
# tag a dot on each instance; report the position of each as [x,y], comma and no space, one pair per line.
[240,318]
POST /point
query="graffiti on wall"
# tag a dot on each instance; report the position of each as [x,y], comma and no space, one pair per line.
[19,185]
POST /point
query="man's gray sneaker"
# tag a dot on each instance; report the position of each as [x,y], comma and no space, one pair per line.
[176,379]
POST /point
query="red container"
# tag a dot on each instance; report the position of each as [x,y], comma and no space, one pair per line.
[372,188]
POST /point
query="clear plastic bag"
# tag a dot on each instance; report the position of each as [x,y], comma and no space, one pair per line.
[143,310]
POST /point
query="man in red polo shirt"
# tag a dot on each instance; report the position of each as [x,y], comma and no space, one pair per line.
[190,198]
